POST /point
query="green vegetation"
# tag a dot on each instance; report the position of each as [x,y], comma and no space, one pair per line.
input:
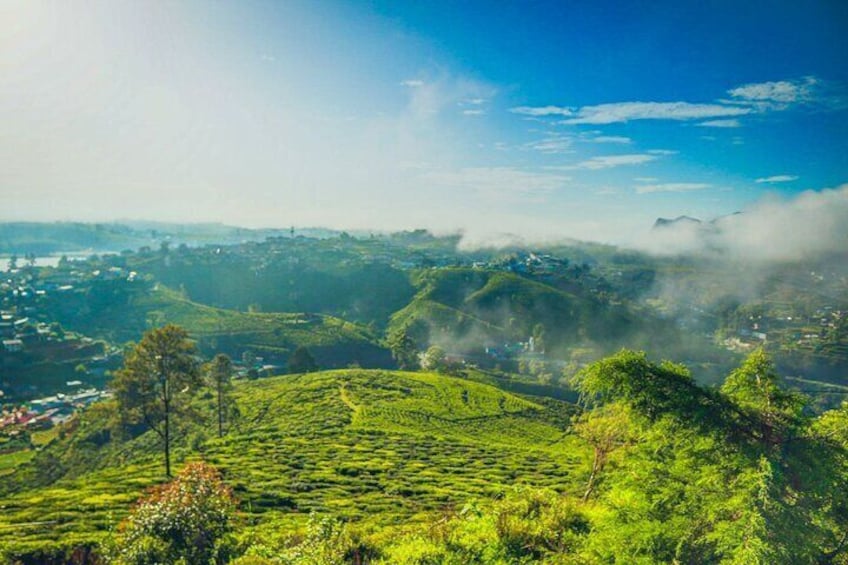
[371,446]
[410,468]
[158,373]
[121,311]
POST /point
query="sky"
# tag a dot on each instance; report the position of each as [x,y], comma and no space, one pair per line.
[542,119]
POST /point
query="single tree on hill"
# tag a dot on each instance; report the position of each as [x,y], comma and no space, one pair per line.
[403,349]
[301,361]
[220,375]
[159,373]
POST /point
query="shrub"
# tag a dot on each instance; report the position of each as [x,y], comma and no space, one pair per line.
[178,522]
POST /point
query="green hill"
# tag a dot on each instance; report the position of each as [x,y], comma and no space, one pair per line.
[465,309]
[119,311]
[375,447]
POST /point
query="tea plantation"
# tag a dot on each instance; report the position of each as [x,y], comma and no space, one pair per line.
[378,448]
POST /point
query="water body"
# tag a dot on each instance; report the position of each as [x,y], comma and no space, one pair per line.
[42,261]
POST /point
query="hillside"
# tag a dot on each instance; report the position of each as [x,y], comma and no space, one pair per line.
[464,310]
[119,311]
[373,446]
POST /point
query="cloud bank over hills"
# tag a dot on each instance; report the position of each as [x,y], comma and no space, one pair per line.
[811,224]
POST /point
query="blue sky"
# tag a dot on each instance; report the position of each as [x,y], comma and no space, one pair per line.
[547,119]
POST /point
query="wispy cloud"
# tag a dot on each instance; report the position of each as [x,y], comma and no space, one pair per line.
[730,123]
[539,111]
[499,182]
[777,93]
[473,112]
[627,111]
[428,98]
[744,100]
[612,139]
[777,178]
[663,152]
[550,145]
[610,161]
[671,187]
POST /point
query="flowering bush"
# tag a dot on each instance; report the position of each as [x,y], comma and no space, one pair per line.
[178,522]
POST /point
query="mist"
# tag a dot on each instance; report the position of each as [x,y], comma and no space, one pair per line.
[807,226]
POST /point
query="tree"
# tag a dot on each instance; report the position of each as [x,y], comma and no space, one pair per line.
[220,375]
[178,522]
[403,349]
[158,373]
[434,359]
[301,361]
[605,429]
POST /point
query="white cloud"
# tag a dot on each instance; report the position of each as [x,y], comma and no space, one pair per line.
[499,182]
[662,152]
[626,111]
[610,161]
[671,187]
[781,92]
[784,94]
[731,123]
[818,221]
[538,111]
[646,179]
[777,178]
[473,112]
[551,145]
[412,83]
[612,139]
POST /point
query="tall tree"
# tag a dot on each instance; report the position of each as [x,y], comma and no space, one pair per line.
[403,349]
[302,361]
[220,375]
[158,374]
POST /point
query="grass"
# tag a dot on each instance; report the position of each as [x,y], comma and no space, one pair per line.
[375,447]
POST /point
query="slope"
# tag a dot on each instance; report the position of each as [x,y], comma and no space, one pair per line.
[120,311]
[466,309]
[372,446]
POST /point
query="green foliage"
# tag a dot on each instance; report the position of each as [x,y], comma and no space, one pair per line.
[403,348]
[374,448]
[152,385]
[325,541]
[434,359]
[420,468]
[179,522]
[219,374]
[302,361]
[526,526]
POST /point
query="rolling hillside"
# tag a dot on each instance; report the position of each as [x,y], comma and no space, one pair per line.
[466,309]
[119,312]
[375,447]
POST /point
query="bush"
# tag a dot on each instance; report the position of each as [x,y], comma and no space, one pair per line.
[181,521]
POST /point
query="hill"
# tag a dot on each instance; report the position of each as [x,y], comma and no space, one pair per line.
[465,310]
[119,311]
[371,446]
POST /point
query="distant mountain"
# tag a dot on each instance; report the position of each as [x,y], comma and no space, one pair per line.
[676,222]
[48,238]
